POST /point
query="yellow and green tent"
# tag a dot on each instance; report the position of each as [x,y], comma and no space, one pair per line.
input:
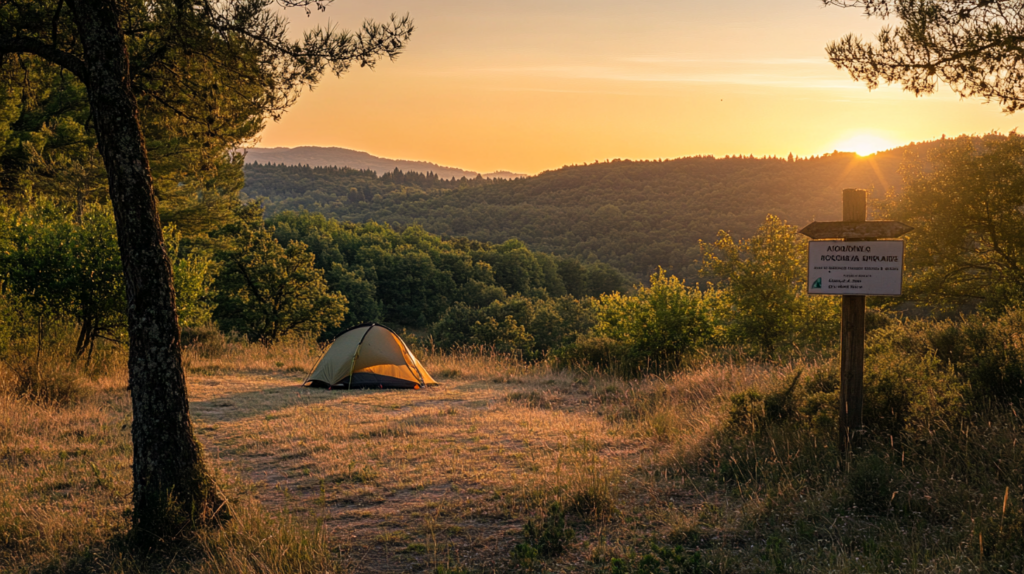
[369,356]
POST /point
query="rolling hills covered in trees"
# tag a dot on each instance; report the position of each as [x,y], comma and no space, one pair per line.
[635,215]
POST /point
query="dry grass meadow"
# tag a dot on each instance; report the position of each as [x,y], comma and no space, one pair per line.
[501,467]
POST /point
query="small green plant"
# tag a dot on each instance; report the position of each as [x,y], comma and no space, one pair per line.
[544,540]
[525,555]
[590,352]
[667,560]
[751,409]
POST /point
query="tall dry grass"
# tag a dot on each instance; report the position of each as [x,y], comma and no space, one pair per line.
[643,474]
[218,353]
[65,467]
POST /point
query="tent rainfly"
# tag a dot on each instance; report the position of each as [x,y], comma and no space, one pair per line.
[369,356]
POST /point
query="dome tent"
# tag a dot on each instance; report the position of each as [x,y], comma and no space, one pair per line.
[369,356]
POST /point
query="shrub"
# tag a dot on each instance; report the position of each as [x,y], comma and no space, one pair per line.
[506,337]
[902,391]
[518,325]
[205,340]
[674,560]
[987,352]
[546,539]
[658,326]
[590,351]
[761,302]
[49,382]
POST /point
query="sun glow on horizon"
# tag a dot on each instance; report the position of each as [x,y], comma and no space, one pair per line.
[865,144]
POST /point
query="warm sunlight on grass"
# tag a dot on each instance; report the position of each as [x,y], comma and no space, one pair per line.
[504,466]
[865,144]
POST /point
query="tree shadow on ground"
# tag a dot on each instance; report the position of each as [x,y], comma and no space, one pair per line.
[120,554]
[265,401]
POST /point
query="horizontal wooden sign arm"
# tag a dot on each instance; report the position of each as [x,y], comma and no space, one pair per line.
[855,229]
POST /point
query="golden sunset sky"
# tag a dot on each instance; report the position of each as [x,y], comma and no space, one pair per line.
[530,85]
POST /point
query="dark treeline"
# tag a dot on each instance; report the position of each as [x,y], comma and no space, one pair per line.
[634,215]
[284,187]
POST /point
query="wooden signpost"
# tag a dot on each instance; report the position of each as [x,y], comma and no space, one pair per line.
[849,272]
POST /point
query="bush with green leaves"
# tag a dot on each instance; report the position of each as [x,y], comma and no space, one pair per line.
[590,351]
[655,328]
[988,353]
[663,560]
[266,290]
[544,539]
[64,261]
[518,325]
[907,389]
[763,304]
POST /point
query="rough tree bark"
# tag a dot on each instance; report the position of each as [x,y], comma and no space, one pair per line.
[173,489]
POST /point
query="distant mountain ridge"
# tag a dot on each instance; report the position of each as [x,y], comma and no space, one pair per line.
[315,156]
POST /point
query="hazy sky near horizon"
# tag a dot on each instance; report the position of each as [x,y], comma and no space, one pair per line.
[530,85]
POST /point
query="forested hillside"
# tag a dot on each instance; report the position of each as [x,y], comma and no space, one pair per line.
[635,215]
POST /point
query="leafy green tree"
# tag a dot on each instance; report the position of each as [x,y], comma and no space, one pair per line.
[67,263]
[762,299]
[603,278]
[50,148]
[266,291]
[973,46]
[527,327]
[67,269]
[234,64]
[516,269]
[506,336]
[361,292]
[967,247]
[658,325]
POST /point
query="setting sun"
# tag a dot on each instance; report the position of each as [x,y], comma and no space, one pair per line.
[865,144]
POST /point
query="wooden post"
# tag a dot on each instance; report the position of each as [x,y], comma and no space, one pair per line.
[851,387]
[853,227]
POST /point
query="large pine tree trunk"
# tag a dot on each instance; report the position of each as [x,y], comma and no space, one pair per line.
[172,488]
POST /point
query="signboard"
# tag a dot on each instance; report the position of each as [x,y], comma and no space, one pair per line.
[855,268]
